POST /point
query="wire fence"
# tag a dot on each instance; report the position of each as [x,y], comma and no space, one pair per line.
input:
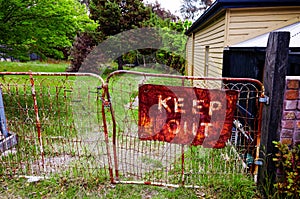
[169,163]
[77,124]
[58,122]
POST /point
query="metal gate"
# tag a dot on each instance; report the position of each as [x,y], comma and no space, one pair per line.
[79,125]
[57,118]
[171,164]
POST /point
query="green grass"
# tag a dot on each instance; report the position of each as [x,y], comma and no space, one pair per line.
[33,66]
[63,187]
[66,187]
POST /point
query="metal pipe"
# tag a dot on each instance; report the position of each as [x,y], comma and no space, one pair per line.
[38,123]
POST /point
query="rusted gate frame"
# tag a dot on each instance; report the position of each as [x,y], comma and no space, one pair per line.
[36,108]
[54,74]
[183,78]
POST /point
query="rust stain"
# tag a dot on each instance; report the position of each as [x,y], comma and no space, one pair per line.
[186,115]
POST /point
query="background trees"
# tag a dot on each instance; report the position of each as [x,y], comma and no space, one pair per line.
[112,17]
[59,28]
[46,27]
[192,9]
[161,12]
[119,16]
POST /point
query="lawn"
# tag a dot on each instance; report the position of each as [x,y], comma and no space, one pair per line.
[81,183]
[33,67]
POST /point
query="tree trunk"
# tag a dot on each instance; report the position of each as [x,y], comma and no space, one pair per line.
[120,63]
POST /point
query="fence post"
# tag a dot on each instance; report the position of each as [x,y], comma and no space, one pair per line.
[275,69]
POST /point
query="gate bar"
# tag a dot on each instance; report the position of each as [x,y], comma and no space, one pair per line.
[54,74]
[38,123]
[184,77]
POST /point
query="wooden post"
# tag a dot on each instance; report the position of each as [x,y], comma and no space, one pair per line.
[275,70]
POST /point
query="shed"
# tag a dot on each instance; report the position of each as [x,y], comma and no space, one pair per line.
[250,55]
[227,23]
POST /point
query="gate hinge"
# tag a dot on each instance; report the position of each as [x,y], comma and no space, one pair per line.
[264,99]
[105,102]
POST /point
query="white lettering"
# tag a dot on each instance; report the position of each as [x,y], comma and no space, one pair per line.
[163,103]
[207,125]
[179,105]
[194,129]
[214,106]
[197,106]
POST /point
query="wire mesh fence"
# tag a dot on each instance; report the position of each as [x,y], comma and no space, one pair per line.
[169,163]
[58,122]
[80,125]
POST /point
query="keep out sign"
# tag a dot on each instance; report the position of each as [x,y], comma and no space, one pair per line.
[186,115]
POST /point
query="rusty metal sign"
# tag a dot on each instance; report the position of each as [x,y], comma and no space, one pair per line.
[186,115]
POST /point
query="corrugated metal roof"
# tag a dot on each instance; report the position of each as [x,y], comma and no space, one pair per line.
[262,40]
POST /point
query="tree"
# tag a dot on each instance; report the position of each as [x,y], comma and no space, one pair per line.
[46,27]
[161,12]
[173,52]
[85,2]
[82,46]
[192,9]
[114,17]
[126,15]
[121,16]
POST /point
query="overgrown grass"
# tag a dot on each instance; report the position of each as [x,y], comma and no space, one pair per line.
[33,66]
[64,187]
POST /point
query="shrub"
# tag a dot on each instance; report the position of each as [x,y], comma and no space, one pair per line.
[82,46]
[288,169]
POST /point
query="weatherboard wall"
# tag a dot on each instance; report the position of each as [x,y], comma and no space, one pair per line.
[211,37]
[247,23]
[189,56]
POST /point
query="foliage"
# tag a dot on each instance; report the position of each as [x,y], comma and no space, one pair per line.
[288,165]
[191,9]
[112,17]
[107,14]
[36,66]
[173,54]
[82,46]
[161,12]
[46,28]
[172,51]
[119,16]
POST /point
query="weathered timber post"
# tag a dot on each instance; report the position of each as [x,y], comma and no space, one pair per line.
[275,70]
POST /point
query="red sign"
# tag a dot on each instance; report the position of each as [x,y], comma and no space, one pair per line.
[186,115]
